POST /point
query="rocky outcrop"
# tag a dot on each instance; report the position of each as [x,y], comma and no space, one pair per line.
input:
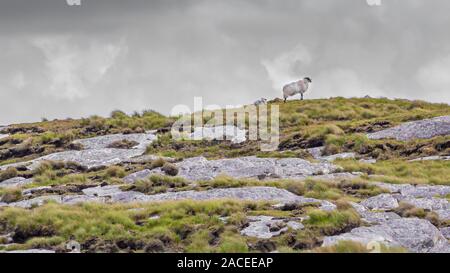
[416,235]
[266,227]
[423,129]
[95,153]
[113,194]
[201,169]
[423,196]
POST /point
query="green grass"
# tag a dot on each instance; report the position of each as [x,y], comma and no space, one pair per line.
[185,225]
[401,171]
[333,122]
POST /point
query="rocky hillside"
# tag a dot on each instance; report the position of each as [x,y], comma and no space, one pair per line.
[349,175]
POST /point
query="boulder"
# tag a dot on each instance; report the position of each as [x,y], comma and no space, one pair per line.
[380,202]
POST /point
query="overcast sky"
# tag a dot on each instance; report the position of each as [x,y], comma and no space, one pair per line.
[59,61]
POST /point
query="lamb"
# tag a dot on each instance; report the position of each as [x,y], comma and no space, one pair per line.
[260,102]
[298,87]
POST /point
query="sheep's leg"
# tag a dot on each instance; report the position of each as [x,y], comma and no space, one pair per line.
[302,96]
[285,99]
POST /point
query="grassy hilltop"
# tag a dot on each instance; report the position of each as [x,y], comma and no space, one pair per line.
[339,124]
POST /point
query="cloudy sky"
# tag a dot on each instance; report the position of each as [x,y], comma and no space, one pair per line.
[59,61]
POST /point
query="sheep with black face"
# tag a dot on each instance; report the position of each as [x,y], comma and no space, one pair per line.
[298,87]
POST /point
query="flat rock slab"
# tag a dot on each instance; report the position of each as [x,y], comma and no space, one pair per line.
[30,251]
[423,129]
[335,176]
[15,182]
[373,217]
[201,169]
[428,203]
[429,158]
[102,142]
[416,235]
[246,193]
[3,136]
[36,202]
[90,158]
[228,132]
[266,227]
[60,199]
[415,191]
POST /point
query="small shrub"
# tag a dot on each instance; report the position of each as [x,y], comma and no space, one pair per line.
[295,187]
[158,163]
[170,169]
[115,171]
[11,195]
[8,174]
[123,144]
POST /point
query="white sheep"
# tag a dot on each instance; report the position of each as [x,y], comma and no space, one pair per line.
[298,87]
[260,102]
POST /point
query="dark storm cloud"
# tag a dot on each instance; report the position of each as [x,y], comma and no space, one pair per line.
[61,61]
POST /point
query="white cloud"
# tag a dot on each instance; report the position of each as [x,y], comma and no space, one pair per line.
[288,66]
[434,77]
[344,83]
[18,81]
[74,69]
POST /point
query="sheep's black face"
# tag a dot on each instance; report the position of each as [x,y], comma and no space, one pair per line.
[308,79]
